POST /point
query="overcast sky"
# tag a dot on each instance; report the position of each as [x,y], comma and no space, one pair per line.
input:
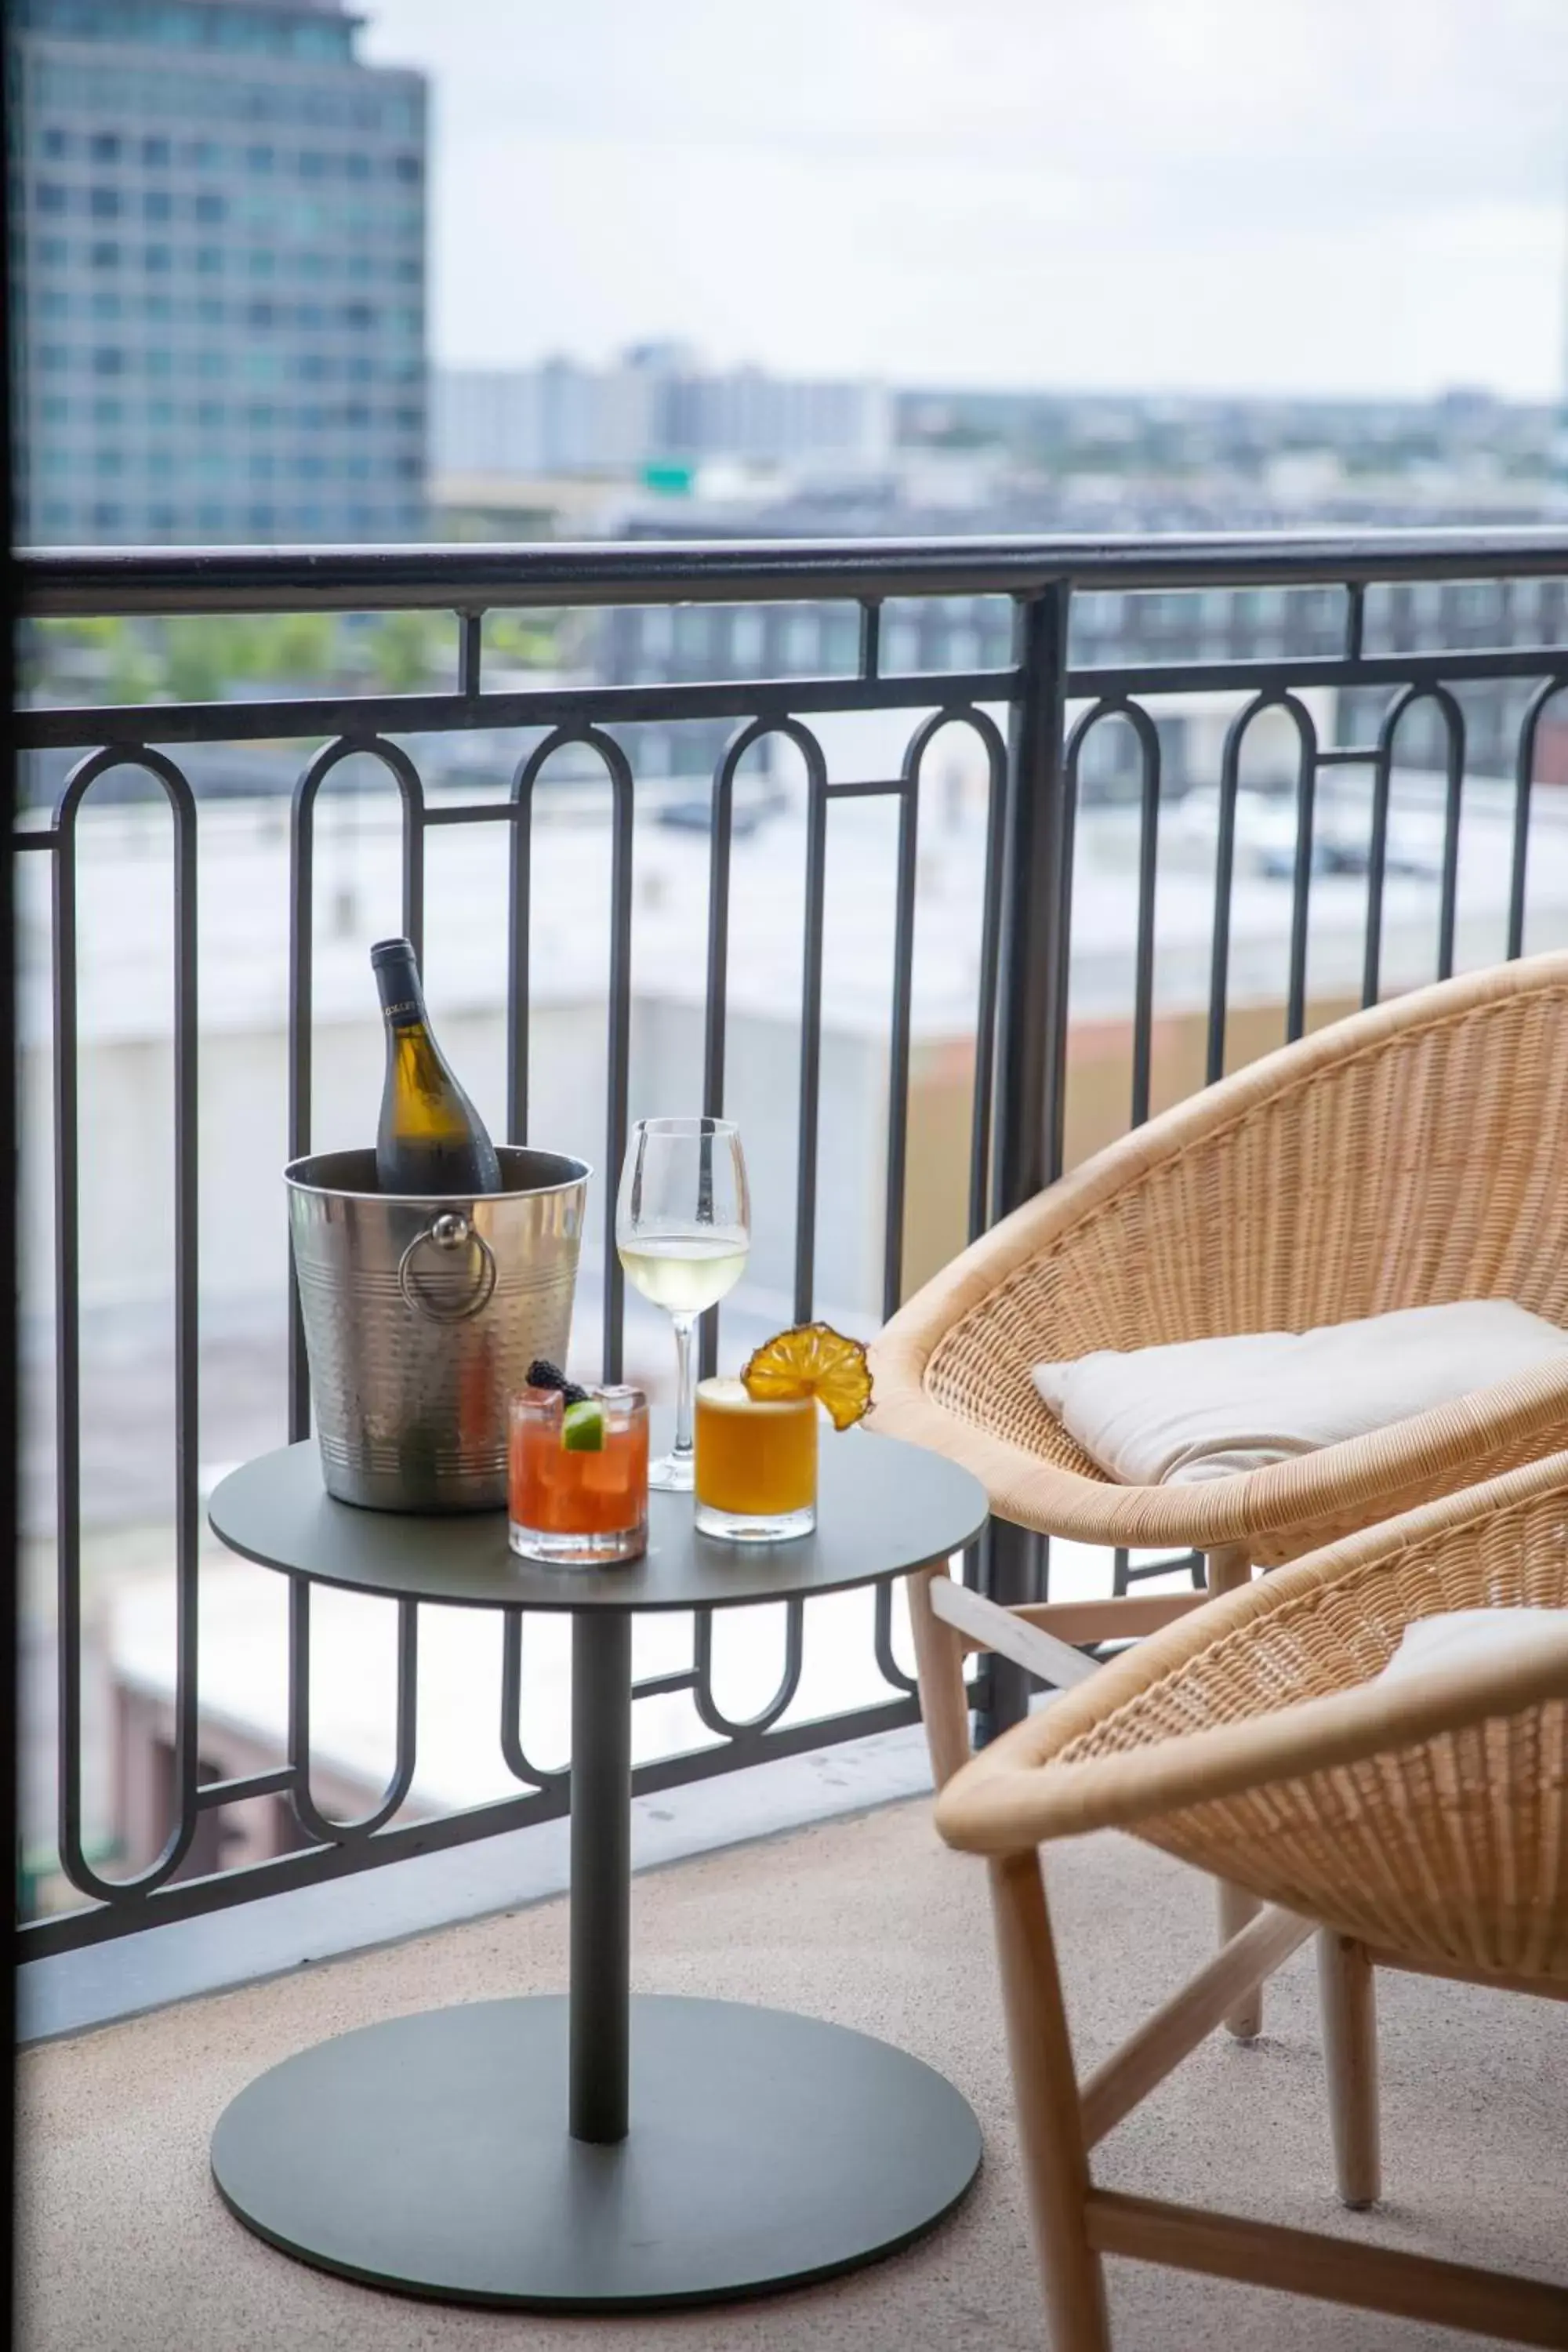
[1311,195]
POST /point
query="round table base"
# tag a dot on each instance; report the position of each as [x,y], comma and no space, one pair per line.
[430,2155]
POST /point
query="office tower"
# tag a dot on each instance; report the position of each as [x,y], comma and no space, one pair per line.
[219,272]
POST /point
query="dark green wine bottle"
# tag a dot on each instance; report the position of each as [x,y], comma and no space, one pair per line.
[430,1138]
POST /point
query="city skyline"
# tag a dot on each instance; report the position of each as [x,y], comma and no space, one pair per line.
[1331,199]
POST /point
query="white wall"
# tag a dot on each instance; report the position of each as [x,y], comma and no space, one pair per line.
[127,1197]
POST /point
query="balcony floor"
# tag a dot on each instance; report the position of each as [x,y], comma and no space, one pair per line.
[870,1921]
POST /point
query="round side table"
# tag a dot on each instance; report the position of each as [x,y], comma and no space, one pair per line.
[592,2151]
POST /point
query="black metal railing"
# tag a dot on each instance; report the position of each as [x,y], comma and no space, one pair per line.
[1033,715]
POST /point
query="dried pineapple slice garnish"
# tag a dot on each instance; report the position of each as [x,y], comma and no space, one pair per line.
[811,1360]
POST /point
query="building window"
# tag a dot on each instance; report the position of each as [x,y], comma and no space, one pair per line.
[108,360]
[107,516]
[657,634]
[900,647]
[52,252]
[210,208]
[106,254]
[104,306]
[802,641]
[55,143]
[103,204]
[262,261]
[55,408]
[157,205]
[155,153]
[104,146]
[260,158]
[406,167]
[107,411]
[109,462]
[51,196]
[209,260]
[160,414]
[157,257]
[209,412]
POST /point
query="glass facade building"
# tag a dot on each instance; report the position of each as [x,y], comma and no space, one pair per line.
[218,266]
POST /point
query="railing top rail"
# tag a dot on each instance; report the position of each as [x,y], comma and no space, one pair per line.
[98,582]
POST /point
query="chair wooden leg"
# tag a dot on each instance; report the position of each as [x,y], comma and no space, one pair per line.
[1229,1566]
[939,1665]
[1050,2128]
[1347,1991]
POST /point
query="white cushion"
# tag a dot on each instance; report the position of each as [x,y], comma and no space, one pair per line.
[1216,1408]
[1459,1636]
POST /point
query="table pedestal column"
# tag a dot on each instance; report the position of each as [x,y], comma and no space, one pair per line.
[601,1872]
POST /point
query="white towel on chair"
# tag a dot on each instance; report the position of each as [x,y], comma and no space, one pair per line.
[1214,1408]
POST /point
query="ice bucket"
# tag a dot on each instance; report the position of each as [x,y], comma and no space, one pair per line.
[421,1318]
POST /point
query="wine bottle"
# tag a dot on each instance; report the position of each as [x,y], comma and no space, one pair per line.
[430,1138]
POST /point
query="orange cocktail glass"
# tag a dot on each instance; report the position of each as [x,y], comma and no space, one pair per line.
[756,1464]
[575,1502]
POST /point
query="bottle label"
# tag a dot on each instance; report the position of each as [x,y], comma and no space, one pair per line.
[407,1009]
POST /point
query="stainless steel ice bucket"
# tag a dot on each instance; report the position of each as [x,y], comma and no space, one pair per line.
[421,1318]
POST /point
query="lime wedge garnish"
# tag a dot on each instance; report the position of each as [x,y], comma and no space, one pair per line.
[583,1427]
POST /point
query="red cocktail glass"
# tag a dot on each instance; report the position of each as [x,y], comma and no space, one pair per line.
[577,1476]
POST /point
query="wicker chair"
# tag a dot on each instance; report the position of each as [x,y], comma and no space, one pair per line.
[1422,1825]
[1409,1155]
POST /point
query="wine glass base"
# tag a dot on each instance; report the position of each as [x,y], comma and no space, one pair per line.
[671,1475]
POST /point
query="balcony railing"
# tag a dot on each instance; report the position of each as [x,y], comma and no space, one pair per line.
[1031,720]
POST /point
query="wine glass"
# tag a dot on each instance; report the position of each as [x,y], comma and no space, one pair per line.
[683,1231]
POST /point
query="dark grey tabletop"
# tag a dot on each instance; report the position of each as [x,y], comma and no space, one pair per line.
[883,1507]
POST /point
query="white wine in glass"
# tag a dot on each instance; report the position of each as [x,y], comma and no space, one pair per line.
[683,1232]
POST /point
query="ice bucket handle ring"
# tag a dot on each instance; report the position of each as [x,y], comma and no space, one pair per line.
[447,1232]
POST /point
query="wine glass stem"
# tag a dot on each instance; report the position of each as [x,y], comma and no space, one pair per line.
[685,1325]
